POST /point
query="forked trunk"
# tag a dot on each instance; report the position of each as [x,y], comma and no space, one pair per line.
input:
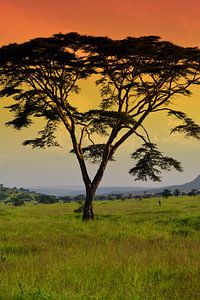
[91,187]
[88,213]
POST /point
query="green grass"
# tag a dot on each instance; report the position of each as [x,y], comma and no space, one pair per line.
[133,250]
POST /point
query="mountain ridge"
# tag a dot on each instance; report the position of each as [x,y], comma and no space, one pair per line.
[75,190]
[194,184]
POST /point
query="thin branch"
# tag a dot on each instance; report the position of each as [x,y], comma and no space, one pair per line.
[142,137]
[146,132]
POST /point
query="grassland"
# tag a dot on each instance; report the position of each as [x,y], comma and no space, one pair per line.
[133,250]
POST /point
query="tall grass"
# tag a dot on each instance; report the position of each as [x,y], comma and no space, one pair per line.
[133,250]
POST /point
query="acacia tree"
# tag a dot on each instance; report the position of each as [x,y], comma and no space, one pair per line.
[137,77]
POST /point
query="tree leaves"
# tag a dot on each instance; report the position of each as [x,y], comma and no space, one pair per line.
[93,153]
[189,128]
[136,76]
[22,120]
[46,137]
[151,162]
[102,120]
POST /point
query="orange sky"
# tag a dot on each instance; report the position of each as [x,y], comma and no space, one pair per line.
[174,20]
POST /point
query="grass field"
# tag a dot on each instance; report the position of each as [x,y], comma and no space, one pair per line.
[133,250]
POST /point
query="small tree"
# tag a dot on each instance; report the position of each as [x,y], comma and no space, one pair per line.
[176,192]
[15,200]
[166,193]
[137,77]
[46,199]
[193,192]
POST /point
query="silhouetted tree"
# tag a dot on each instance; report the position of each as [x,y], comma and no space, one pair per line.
[177,192]
[166,193]
[193,192]
[137,78]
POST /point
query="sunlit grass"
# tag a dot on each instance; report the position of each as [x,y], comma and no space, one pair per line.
[133,250]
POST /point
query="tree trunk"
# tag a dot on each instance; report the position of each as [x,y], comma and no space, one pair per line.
[91,188]
[88,213]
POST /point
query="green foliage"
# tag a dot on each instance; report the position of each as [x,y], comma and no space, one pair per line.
[46,199]
[16,200]
[19,197]
[15,196]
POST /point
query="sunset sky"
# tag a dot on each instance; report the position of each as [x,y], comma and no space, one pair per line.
[20,20]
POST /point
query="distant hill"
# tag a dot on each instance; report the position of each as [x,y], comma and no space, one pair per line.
[72,191]
[186,187]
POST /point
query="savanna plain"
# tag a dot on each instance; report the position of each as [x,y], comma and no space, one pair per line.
[132,250]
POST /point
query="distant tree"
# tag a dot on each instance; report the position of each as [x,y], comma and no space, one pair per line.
[80,197]
[138,197]
[138,77]
[166,193]
[46,199]
[177,192]
[14,200]
[3,195]
[193,192]
[66,198]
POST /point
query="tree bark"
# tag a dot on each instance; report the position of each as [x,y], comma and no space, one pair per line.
[88,213]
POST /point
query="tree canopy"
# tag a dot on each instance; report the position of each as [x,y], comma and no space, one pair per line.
[136,77]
